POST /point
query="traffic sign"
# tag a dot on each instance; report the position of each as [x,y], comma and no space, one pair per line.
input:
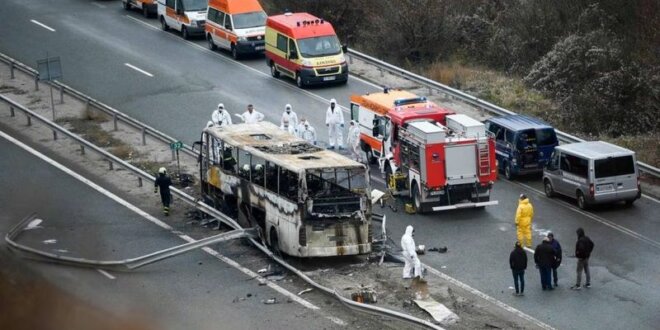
[176,145]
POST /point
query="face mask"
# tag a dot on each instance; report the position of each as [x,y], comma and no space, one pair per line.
[288,110]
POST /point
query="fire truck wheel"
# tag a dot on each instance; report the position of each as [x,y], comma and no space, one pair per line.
[507,171]
[273,70]
[417,200]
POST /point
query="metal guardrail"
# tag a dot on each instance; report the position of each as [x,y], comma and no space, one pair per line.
[467,98]
[91,102]
[221,217]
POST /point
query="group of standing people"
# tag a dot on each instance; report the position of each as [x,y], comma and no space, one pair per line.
[547,255]
[334,120]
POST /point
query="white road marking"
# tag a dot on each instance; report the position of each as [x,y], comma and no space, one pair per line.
[138,69]
[596,218]
[244,66]
[336,320]
[98,5]
[154,220]
[486,297]
[106,274]
[43,25]
[651,198]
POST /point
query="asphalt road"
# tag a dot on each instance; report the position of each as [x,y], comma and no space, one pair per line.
[191,291]
[187,82]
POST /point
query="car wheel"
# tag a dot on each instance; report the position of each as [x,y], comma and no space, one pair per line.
[184,33]
[163,24]
[417,199]
[145,11]
[299,81]
[126,5]
[581,201]
[549,191]
[273,70]
[234,52]
[630,202]
[507,172]
[211,45]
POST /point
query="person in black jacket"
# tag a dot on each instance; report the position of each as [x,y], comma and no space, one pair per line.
[583,248]
[518,264]
[557,247]
[544,257]
[164,182]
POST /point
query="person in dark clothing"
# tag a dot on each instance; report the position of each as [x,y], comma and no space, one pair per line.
[544,257]
[557,248]
[164,182]
[518,264]
[583,248]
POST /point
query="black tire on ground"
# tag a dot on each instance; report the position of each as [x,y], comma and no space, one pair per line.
[145,11]
[209,40]
[630,202]
[581,201]
[163,24]
[273,70]
[549,190]
[184,33]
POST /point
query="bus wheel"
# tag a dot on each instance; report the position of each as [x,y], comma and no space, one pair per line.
[275,243]
[581,201]
[273,70]
[163,24]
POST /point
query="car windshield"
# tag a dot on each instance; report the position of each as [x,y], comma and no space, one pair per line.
[614,166]
[194,5]
[319,46]
[248,20]
[532,138]
[546,136]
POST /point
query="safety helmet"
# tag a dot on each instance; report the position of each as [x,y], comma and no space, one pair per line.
[287,107]
[221,106]
[258,167]
[162,170]
[246,167]
[333,101]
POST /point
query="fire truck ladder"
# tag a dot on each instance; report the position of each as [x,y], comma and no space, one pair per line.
[484,158]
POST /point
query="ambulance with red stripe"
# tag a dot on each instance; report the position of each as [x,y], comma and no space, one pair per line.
[185,16]
[429,154]
[237,26]
[305,48]
[147,7]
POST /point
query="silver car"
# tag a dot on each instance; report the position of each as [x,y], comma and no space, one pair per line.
[593,173]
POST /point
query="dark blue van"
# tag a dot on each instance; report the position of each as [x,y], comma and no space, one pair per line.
[523,144]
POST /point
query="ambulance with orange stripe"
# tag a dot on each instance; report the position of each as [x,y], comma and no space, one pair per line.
[305,48]
[429,154]
[185,16]
[147,7]
[236,25]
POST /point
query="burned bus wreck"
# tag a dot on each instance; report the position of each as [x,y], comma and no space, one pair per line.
[308,202]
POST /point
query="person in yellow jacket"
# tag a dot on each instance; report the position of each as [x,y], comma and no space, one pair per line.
[524,215]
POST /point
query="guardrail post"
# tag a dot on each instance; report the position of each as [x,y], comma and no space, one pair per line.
[382,73]
[61,94]
[114,120]
[87,104]
[173,156]
[36,82]
[54,134]
[11,69]
[29,119]
[82,149]
[350,59]
[144,136]
[110,165]
[430,90]
[11,111]
[139,181]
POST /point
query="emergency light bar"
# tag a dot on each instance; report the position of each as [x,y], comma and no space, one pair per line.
[414,100]
[305,23]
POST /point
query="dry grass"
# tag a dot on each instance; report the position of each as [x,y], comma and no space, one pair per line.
[124,152]
[91,131]
[11,90]
[34,99]
[97,116]
[646,147]
[150,166]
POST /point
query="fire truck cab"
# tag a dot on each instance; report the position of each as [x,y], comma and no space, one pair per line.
[437,158]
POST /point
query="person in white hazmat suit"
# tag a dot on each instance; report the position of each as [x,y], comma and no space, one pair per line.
[287,127]
[307,132]
[334,119]
[290,116]
[353,140]
[220,116]
[252,116]
[410,255]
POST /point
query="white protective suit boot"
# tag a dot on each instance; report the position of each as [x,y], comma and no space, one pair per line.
[409,254]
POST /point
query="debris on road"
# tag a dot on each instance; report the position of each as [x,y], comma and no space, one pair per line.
[437,249]
[270,301]
[34,224]
[50,241]
[438,311]
[365,296]
[304,291]
[262,270]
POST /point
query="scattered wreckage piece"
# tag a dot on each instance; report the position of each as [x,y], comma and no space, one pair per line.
[126,264]
[438,311]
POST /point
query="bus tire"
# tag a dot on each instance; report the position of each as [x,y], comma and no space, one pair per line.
[273,70]
[163,24]
[274,242]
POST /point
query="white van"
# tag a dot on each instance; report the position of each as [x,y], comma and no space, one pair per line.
[185,16]
[593,173]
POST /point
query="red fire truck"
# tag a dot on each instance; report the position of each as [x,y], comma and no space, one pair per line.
[439,159]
